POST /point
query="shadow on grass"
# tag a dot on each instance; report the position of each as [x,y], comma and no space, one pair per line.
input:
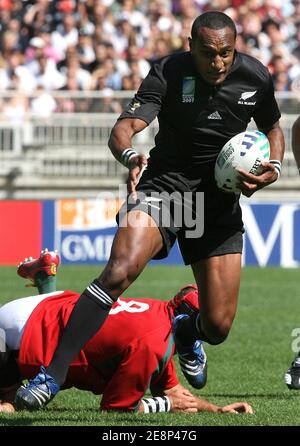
[64,416]
[16,421]
[250,395]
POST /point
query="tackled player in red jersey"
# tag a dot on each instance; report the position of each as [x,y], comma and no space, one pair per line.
[120,368]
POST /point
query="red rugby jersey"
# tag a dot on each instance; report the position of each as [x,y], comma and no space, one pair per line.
[132,351]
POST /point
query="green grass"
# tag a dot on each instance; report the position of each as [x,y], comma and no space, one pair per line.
[249,366]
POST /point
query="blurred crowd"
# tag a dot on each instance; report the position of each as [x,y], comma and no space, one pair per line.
[109,45]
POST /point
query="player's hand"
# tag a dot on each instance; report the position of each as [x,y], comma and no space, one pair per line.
[182,400]
[136,167]
[184,403]
[249,183]
[237,408]
[6,407]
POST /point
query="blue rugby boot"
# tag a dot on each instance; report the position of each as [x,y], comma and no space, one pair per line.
[192,358]
[37,393]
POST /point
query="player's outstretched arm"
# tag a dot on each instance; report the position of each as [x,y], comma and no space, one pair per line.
[250,183]
[120,144]
[237,408]
[182,400]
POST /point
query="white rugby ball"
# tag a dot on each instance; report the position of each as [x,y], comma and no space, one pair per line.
[247,150]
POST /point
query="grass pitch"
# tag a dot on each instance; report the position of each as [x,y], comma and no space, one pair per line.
[249,366]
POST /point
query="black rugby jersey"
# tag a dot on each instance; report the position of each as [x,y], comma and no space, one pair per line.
[195,118]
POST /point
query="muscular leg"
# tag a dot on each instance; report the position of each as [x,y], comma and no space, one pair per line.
[218,280]
[132,249]
[133,246]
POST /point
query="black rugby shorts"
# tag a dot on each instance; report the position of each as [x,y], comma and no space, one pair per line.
[175,202]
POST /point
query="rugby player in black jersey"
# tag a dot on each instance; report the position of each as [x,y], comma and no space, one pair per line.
[201,98]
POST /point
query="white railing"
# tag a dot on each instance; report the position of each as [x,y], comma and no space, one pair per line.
[65,130]
[75,145]
[11,138]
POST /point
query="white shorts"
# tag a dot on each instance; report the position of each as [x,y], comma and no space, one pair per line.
[13,318]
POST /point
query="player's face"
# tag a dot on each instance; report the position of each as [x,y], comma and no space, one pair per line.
[213,53]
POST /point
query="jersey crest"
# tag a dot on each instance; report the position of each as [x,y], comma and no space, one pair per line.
[243,100]
[188,89]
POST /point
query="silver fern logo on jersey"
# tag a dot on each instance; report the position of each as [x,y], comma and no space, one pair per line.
[133,106]
[243,100]
[188,89]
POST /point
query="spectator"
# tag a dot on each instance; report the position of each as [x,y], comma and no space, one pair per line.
[281,81]
[66,35]
[15,75]
[43,105]
[62,66]
[136,81]
[17,10]
[296,50]
[85,22]
[108,104]
[9,42]
[134,54]
[101,54]
[38,14]
[127,83]
[73,68]
[135,33]
[123,35]
[68,104]
[85,49]
[113,77]
[49,51]
[98,79]
[15,109]
[137,20]
[34,51]
[48,76]
[103,17]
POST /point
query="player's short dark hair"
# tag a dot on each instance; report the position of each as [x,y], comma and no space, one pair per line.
[212,20]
